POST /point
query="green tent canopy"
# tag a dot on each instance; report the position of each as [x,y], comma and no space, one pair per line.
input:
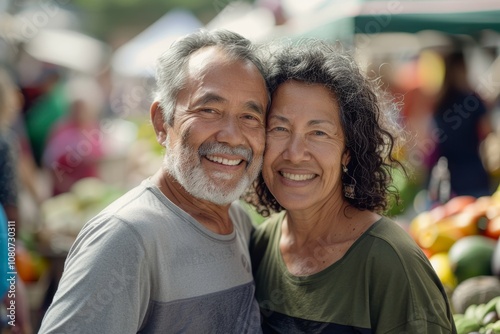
[449,16]
[341,19]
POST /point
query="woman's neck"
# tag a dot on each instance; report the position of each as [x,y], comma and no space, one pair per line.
[311,242]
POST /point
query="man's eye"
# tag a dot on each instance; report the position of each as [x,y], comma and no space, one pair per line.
[208,110]
[278,129]
[250,117]
[252,120]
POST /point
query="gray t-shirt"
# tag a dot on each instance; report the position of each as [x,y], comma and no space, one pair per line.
[143,265]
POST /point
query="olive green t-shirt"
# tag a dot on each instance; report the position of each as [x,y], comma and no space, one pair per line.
[383,284]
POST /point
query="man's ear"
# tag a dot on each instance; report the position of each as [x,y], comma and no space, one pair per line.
[156,113]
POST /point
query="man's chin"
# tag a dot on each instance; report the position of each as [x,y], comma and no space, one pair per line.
[220,188]
[215,199]
[220,193]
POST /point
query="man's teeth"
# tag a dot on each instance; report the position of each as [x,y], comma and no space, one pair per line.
[298,177]
[224,161]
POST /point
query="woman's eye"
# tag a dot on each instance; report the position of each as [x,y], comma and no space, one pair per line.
[319,133]
[207,110]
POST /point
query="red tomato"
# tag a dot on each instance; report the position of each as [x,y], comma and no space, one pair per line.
[493,228]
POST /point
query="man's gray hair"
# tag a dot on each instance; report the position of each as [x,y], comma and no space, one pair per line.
[171,66]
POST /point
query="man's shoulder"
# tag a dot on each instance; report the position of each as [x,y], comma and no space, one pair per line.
[133,197]
[135,210]
[139,205]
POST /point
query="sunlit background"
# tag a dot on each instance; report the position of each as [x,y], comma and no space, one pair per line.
[83,73]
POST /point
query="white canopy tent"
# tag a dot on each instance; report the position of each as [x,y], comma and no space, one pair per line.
[70,49]
[133,64]
[254,23]
[137,57]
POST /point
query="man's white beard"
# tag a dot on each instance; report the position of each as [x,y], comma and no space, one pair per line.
[184,165]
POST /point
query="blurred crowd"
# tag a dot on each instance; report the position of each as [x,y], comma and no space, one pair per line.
[43,153]
[61,125]
[451,114]
[64,155]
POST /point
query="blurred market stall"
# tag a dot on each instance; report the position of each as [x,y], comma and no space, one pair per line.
[340,20]
[137,57]
[133,64]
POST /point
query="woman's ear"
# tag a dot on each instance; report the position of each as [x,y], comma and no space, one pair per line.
[346,157]
[156,114]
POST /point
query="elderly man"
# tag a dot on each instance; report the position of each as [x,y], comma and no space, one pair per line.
[171,255]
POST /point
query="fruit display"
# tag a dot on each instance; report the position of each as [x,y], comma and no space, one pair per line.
[30,266]
[461,240]
[471,256]
[480,318]
[460,237]
[473,291]
[436,230]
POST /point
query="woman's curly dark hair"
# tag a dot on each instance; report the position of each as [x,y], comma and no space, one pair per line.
[367,119]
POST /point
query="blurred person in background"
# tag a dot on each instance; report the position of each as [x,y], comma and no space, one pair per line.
[9,148]
[73,149]
[13,166]
[328,261]
[171,255]
[461,121]
[46,103]
[18,169]
[14,297]
[4,257]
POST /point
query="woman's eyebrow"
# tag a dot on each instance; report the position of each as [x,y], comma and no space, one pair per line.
[279,118]
[319,121]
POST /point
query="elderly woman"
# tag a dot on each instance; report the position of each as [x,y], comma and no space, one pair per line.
[328,261]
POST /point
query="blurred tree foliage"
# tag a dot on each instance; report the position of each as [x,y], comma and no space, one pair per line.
[106,19]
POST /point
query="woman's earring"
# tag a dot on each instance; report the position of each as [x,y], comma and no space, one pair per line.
[350,186]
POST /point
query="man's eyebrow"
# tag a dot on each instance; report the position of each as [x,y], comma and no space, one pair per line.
[255,107]
[210,98]
[215,98]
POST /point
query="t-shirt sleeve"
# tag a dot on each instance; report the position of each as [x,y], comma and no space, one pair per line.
[407,295]
[105,285]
